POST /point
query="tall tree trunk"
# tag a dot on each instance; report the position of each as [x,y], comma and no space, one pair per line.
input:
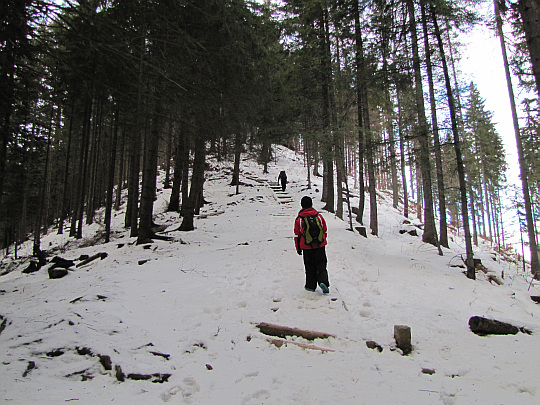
[93,162]
[110,178]
[132,210]
[64,208]
[174,201]
[360,83]
[42,200]
[430,231]
[18,22]
[392,146]
[86,147]
[535,265]
[82,174]
[402,142]
[307,153]
[326,83]
[121,169]
[239,142]
[185,172]
[469,260]
[489,211]
[472,202]
[149,175]
[197,180]
[443,227]
[373,222]
[167,182]
[265,154]
[340,173]
[530,15]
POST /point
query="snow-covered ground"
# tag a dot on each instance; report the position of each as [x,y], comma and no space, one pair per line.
[185,313]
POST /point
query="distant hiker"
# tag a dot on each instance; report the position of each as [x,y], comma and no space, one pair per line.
[310,239]
[283,178]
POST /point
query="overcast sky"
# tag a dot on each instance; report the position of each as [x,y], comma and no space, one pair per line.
[482,62]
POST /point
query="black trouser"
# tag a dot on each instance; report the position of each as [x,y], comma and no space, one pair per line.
[283,184]
[315,264]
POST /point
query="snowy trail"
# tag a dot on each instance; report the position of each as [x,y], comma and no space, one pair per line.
[187,309]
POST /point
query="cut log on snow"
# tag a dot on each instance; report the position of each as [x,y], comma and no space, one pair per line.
[101,255]
[483,326]
[402,334]
[281,342]
[284,331]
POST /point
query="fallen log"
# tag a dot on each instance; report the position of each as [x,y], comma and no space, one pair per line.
[484,326]
[61,262]
[284,331]
[279,342]
[101,255]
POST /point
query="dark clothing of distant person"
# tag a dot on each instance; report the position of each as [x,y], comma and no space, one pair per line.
[283,179]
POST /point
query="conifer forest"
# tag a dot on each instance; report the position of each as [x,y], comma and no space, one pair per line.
[96,96]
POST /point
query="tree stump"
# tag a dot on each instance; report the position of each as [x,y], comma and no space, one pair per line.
[32,268]
[402,334]
[362,231]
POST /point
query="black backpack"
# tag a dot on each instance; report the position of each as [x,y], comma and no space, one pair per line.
[313,230]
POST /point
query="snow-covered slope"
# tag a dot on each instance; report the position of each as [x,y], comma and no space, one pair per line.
[184,313]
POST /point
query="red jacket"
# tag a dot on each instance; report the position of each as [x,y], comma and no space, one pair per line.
[299,238]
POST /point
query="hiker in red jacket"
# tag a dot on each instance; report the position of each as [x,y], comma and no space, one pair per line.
[310,240]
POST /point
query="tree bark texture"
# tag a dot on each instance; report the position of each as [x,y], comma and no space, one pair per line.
[402,143]
[197,180]
[530,15]
[326,78]
[457,148]
[360,84]
[443,230]
[174,201]
[535,265]
[148,189]
[430,231]
[110,178]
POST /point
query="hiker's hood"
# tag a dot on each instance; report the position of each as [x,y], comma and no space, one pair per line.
[307,212]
